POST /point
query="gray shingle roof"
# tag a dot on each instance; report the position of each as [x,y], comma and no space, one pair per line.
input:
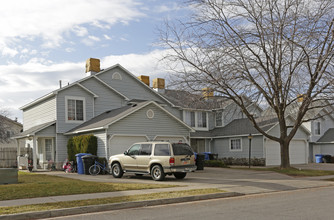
[327,137]
[189,100]
[35,129]
[237,127]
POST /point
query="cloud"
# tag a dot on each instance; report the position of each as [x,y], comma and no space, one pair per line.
[9,52]
[49,20]
[21,84]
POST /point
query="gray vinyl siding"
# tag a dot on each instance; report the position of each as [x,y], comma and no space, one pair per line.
[61,147]
[107,99]
[129,86]
[75,91]
[101,143]
[221,147]
[47,132]
[42,113]
[138,123]
[301,133]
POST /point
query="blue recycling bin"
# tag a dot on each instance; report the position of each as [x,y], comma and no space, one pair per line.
[80,167]
[207,155]
[318,158]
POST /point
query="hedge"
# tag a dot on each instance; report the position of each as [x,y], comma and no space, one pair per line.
[81,144]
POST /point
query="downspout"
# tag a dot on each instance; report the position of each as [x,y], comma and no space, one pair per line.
[107,144]
[211,139]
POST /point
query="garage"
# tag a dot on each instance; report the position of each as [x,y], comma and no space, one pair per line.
[297,151]
[118,143]
[173,139]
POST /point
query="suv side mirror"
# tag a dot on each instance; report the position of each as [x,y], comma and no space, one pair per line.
[126,152]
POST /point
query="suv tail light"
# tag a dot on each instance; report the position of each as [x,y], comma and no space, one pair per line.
[171,161]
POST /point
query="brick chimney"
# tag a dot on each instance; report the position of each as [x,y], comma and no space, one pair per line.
[207,93]
[159,85]
[144,79]
[92,66]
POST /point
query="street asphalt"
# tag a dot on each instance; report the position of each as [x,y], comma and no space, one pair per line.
[235,182]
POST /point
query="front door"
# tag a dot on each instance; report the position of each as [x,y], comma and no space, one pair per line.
[48,150]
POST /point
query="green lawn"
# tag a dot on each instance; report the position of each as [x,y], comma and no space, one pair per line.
[60,205]
[33,185]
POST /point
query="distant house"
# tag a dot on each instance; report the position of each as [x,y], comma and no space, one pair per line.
[9,128]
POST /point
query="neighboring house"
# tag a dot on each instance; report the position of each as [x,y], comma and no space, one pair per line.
[111,104]
[9,128]
[322,130]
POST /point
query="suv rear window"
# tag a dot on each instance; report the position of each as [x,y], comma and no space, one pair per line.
[182,149]
[161,150]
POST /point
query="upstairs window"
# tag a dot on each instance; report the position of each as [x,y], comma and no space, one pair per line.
[189,118]
[317,130]
[219,119]
[75,109]
[195,119]
[201,119]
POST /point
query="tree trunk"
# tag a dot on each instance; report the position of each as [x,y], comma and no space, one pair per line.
[285,157]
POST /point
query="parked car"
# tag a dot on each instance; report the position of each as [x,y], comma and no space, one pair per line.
[155,158]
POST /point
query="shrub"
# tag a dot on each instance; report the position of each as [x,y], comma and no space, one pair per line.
[244,161]
[214,163]
[81,144]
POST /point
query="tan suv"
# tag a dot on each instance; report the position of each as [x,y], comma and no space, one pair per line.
[155,158]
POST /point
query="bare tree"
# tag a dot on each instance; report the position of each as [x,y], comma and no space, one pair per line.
[278,53]
[4,127]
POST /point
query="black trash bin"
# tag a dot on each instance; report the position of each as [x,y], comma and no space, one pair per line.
[88,161]
[326,158]
[200,161]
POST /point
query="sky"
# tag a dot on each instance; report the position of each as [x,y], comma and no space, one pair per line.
[42,42]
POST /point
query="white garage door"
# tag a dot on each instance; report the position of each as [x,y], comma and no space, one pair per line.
[298,153]
[172,139]
[119,144]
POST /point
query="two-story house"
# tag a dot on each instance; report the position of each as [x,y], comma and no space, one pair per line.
[113,104]
[222,128]
[121,109]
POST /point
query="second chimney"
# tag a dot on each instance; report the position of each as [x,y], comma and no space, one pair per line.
[92,66]
[144,79]
[159,85]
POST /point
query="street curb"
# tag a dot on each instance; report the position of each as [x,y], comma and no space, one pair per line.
[114,206]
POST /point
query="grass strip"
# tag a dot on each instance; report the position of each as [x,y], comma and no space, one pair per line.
[71,204]
[294,171]
[33,185]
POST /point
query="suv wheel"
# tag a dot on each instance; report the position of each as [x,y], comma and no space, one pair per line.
[180,175]
[117,170]
[157,173]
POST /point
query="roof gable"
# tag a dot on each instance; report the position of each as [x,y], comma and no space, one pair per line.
[108,118]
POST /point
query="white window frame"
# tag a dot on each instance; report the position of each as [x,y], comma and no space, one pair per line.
[196,120]
[66,108]
[221,118]
[230,144]
[316,123]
